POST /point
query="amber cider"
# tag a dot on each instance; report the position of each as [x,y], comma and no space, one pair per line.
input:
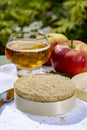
[27,54]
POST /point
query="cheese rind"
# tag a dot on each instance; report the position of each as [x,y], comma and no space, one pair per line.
[44,87]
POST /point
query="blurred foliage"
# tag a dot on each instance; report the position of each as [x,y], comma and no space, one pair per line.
[63,16]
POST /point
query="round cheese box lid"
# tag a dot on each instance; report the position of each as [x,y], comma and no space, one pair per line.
[80,81]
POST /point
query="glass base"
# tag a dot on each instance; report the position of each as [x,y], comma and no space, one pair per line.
[21,72]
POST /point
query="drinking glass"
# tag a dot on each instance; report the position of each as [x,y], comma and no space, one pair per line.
[27,53]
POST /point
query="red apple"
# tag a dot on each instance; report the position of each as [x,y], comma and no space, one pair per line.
[53,39]
[70,57]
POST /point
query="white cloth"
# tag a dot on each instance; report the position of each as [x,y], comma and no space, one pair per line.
[13,119]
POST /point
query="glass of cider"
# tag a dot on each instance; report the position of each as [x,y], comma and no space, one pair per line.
[27,53]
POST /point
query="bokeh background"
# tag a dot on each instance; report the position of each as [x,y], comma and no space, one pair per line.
[68,17]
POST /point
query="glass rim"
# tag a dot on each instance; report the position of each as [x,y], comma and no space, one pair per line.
[26,40]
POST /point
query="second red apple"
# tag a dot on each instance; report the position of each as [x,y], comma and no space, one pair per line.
[70,57]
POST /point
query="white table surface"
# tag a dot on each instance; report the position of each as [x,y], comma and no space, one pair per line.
[13,119]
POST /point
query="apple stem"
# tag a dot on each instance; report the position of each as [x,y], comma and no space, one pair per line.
[72,46]
[43,34]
